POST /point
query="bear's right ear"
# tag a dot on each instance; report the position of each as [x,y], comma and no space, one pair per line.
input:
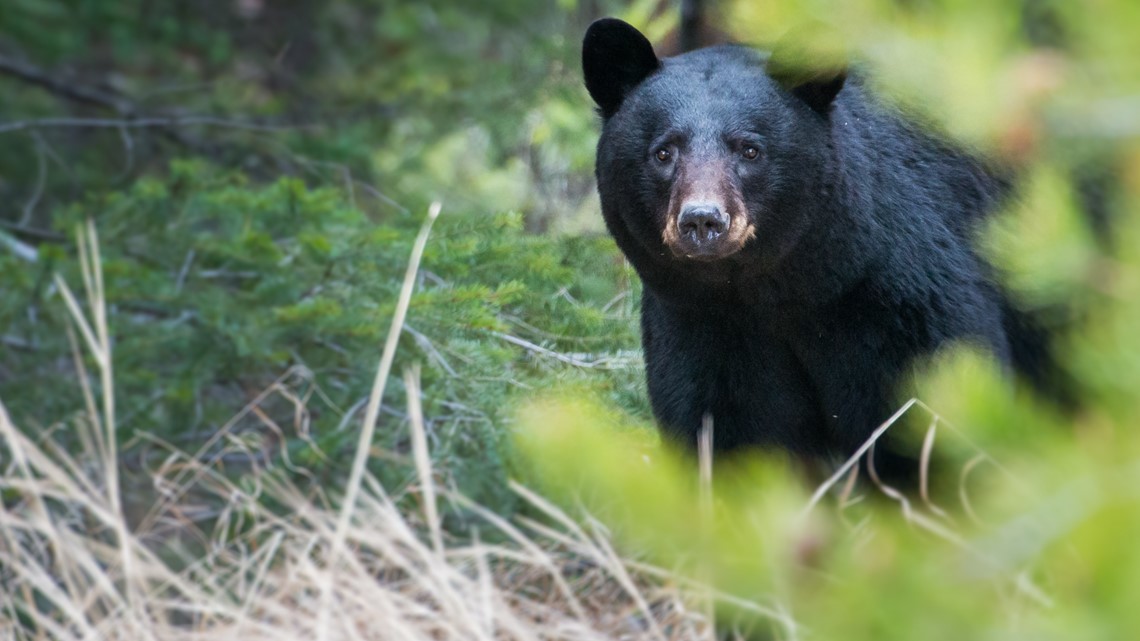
[615,59]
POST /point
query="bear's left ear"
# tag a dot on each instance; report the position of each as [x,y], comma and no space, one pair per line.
[811,63]
[615,59]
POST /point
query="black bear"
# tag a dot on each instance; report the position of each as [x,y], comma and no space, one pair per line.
[800,243]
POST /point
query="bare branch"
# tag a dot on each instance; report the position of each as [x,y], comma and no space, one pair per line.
[182,273]
[20,249]
[33,234]
[619,360]
[79,93]
[41,178]
[162,122]
[129,149]
[16,342]
[131,115]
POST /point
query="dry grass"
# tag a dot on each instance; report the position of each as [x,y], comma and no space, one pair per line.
[276,563]
[70,568]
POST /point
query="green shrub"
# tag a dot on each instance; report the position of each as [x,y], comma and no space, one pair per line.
[217,286]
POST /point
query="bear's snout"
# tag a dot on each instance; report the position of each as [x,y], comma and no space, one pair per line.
[706,216]
[701,225]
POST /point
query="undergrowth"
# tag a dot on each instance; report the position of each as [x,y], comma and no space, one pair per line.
[216,286]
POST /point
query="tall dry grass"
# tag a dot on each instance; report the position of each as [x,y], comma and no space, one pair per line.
[274,562]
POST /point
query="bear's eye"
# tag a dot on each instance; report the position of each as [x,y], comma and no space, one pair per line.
[749,152]
[663,154]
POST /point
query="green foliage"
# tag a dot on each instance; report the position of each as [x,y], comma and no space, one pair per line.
[1045,244]
[1044,548]
[217,285]
[988,72]
[1037,537]
[223,275]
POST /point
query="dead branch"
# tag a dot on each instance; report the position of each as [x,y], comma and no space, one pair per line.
[31,234]
[130,115]
[163,122]
[72,91]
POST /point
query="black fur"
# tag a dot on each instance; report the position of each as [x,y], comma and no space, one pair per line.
[861,258]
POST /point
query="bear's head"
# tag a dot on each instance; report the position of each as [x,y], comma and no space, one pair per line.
[706,157]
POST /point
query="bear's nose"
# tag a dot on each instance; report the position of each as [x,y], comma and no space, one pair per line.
[702,222]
